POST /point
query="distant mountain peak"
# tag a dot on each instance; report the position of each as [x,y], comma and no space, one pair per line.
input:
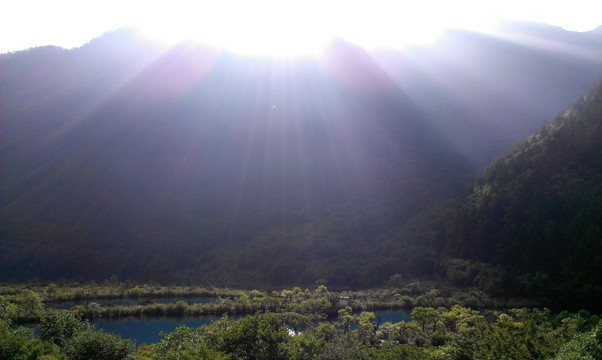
[597,31]
[188,159]
[353,67]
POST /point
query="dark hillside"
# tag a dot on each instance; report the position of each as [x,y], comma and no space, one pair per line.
[198,157]
[538,209]
[186,164]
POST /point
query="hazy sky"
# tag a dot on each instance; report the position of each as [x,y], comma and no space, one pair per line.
[275,26]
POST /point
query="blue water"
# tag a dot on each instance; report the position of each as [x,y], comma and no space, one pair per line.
[392,316]
[147,330]
[131,301]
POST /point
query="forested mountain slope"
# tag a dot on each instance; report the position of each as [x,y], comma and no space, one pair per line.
[538,209]
[184,164]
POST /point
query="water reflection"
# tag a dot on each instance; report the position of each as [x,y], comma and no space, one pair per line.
[132,301]
[147,330]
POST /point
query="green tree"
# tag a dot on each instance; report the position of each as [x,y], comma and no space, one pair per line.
[59,327]
[305,346]
[344,348]
[184,343]
[346,318]
[8,310]
[586,346]
[296,321]
[366,331]
[258,336]
[90,344]
[20,344]
[29,304]
[425,316]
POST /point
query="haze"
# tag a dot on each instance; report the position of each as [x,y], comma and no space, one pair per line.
[274,27]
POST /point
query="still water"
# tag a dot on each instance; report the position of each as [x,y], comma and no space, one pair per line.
[131,301]
[147,330]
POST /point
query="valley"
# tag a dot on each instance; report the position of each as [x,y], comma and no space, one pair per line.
[284,209]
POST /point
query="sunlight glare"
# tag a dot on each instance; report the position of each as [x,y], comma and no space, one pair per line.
[282,28]
[250,28]
[271,27]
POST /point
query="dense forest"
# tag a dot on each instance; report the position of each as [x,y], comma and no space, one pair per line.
[297,166]
[183,165]
[293,324]
[538,209]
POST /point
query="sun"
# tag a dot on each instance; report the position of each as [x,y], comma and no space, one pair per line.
[256,28]
[291,28]
[276,28]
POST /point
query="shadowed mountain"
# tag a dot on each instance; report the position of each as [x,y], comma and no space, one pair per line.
[538,210]
[189,164]
[198,152]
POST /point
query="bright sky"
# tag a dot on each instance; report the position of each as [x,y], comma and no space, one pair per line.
[272,26]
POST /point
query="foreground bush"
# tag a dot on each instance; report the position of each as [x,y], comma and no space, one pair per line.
[91,344]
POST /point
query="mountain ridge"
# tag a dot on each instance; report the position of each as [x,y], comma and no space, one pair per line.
[205,158]
[196,166]
[536,210]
